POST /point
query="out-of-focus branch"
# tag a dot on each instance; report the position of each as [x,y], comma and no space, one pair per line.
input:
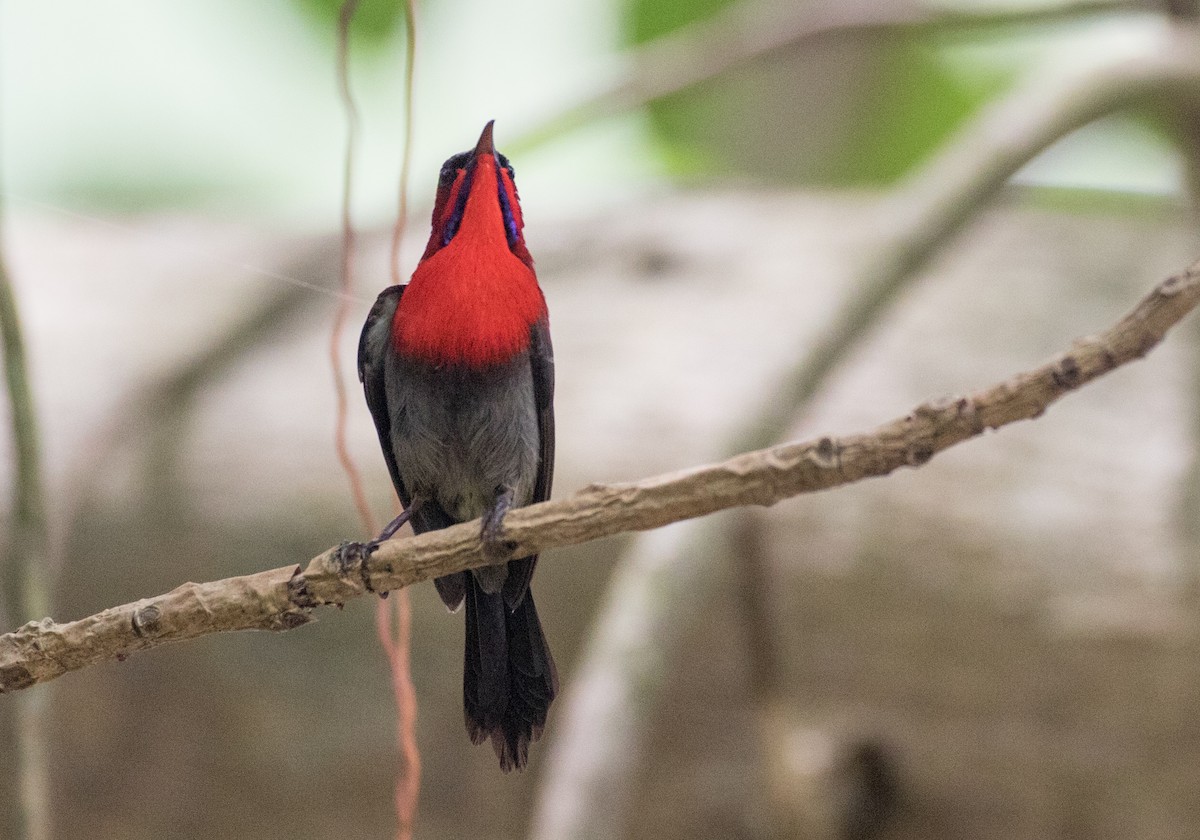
[24,581]
[750,32]
[283,598]
[346,96]
[586,773]
[397,641]
[410,65]
[25,593]
[395,647]
[1185,125]
[949,193]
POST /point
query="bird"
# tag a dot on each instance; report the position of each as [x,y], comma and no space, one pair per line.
[458,372]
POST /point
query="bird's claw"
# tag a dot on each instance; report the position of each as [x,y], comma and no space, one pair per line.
[352,557]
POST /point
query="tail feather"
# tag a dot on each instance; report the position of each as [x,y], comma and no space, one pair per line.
[509,679]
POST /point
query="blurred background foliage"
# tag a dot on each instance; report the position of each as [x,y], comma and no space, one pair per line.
[843,110]
[374,25]
[150,152]
[226,107]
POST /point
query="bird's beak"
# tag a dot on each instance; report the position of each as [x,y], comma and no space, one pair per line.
[484,146]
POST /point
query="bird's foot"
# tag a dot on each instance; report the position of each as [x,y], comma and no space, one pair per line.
[395,525]
[496,549]
[352,558]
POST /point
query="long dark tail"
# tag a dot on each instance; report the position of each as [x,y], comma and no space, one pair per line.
[508,674]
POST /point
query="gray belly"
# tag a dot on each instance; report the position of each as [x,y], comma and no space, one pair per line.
[460,435]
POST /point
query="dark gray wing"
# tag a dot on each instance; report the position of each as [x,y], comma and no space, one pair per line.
[541,357]
[373,346]
[541,360]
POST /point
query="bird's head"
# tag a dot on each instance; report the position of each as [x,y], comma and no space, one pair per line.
[477,199]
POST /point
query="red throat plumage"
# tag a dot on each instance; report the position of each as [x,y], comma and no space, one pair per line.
[471,301]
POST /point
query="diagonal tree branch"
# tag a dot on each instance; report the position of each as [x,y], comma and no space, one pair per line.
[283,598]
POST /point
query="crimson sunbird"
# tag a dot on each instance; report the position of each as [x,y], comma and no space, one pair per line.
[459,376]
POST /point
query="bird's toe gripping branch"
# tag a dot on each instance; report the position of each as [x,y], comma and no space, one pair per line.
[352,558]
[334,577]
[496,549]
